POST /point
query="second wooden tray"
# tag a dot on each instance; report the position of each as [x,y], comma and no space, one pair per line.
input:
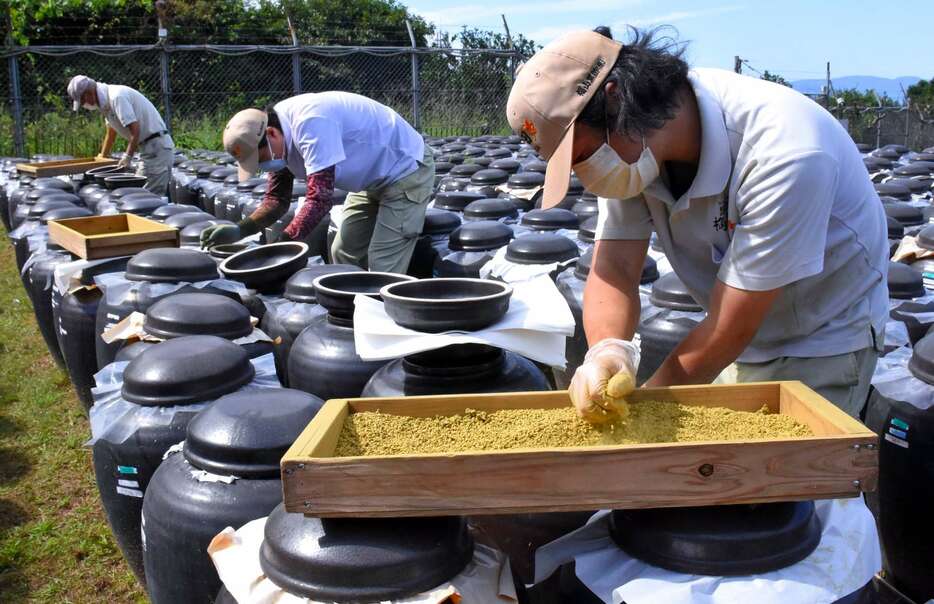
[840,460]
[110,236]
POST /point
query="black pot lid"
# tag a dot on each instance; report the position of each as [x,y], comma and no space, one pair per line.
[877,163]
[905,282]
[912,184]
[507,164]
[728,540]
[527,180]
[453,147]
[196,165]
[258,191]
[246,434]
[472,152]
[205,171]
[336,292]
[490,209]
[541,248]
[362,559]
[588,230]
[186,370]
[900,149]
[41,207]
[233,179]
[480,236]
[183,219]
[886,153]
[191,234]
[198,314]
[171,209]
[892,190]
[456,201]
[443,167]
[575,186]
[171,265]
[140,204]
[52,183]
[919,168]
[124,184]
[489,176]
[649,271]
[921,364]
[926,236]
[498,152]
[551,219]
[582,269]
[669,292]
[440,222]
[42,194]
[534,165]
[222,174]
[465,170]
[299,188]
[65,212]
[896,230]
[906,214]
[247,186]
[300,286]
[585,208]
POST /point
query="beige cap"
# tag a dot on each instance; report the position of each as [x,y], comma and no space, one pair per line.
[76,87]
[241,139]
[550,91]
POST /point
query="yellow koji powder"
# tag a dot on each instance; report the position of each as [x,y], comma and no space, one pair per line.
[374,433]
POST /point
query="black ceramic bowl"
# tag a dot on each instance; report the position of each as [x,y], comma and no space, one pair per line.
[437,305]
[268,266]
[118,181]
[228,249]
[336,292]
[97,175]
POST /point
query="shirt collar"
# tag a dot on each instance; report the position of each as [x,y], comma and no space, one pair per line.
[103,97]
[716,162]
[286,131]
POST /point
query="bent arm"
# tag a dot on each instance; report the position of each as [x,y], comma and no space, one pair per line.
[275,204]
[611,296]
[107,145]
[318,202]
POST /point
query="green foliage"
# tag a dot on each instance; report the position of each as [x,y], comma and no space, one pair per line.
[922,95]
[858,99]
[774,77]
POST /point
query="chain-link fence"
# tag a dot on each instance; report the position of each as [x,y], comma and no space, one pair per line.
[878,126]
[197,88]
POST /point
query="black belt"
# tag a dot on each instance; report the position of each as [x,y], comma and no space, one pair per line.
[154,135]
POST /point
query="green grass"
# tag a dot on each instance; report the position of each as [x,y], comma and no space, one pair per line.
[55,545]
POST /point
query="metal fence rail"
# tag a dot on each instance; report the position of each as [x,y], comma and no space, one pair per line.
[198,87]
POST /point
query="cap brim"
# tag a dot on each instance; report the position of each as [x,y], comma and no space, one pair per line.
[248,165]
[558,172]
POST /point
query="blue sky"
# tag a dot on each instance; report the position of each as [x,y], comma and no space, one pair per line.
[791,37]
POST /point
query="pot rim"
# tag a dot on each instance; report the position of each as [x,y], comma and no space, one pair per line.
[302,249]
[505,291]
[318,286]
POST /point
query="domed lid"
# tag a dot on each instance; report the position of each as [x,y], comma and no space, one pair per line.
[541,248]
[52,183]
[233,179]
[921,364]
[507,164]
[221,174]
[535,165]
[41,194]
[443,167]
[186,370]
[914,185]
[588,230]
[205,171]
[64,212]
[191,234]
[299,188]
[575,186]
[892,190]
[44,205]
[669,292]
[141,204]
[896,230]
[362,559]
[336,292]
[863,147]
[258,191]
[906,214]
[905,282]
[527,180]
[489,176]
[249,184]
[171,209]
[121,192]
[585,208]
[900,149]
[300,286]
[886,153]
[551,219]
[456,201]
[465,170]
[490,209]
[183,219]
[453,147]
[245,434]
[196,165]
[926,236]
[480,236]
[472,152]
[483,162]
[498,152]
[877,163]
[440,222]
[171,265]
[110,265]
[198,314]
[452,158]
[918,168]
[649,271]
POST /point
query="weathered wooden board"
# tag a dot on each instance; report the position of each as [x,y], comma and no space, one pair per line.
[840,460]
[63,167]
[96,237]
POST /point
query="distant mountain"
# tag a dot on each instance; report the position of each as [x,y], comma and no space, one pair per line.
[889,86]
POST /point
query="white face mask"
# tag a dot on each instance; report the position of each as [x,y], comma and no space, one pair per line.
[89,106]
[605,174]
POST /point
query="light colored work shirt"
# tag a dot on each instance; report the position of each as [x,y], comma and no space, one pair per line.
[781,199]
[369,144]
[122,105]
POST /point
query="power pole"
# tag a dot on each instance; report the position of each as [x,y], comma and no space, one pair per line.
[737,64]
[416,83]
[510,46]
[828,87]
[296,59]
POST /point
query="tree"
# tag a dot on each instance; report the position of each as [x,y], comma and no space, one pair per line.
[774,77]
[922,95]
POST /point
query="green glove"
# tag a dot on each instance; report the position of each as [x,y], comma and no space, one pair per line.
[220,234]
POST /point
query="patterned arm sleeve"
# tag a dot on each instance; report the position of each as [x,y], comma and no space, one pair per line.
[317,204]
[276,202]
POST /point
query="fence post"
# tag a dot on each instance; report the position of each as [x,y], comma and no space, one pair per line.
[296,60]
[164,78]
[18,135]
[416,84]
[907,121]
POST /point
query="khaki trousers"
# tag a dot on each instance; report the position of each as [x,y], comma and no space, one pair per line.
[381,226]
[156,165]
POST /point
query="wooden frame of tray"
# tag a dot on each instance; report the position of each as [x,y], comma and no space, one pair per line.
[63,167]
[96,237]
[840,460]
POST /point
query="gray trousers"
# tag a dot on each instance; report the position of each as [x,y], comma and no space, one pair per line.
[156,165]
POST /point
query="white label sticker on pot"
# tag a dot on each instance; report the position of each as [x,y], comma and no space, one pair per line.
[113,317]
[129,492]
[896,441]
[128,483]
[127,470]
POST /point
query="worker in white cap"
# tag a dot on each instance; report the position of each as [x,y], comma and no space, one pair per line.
[336,139]
[757,195]
[132,116]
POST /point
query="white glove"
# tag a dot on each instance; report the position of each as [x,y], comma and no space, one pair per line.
[607,374]
[124,162]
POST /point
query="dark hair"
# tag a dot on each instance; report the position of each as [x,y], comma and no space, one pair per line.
[272,121]
[650,73]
